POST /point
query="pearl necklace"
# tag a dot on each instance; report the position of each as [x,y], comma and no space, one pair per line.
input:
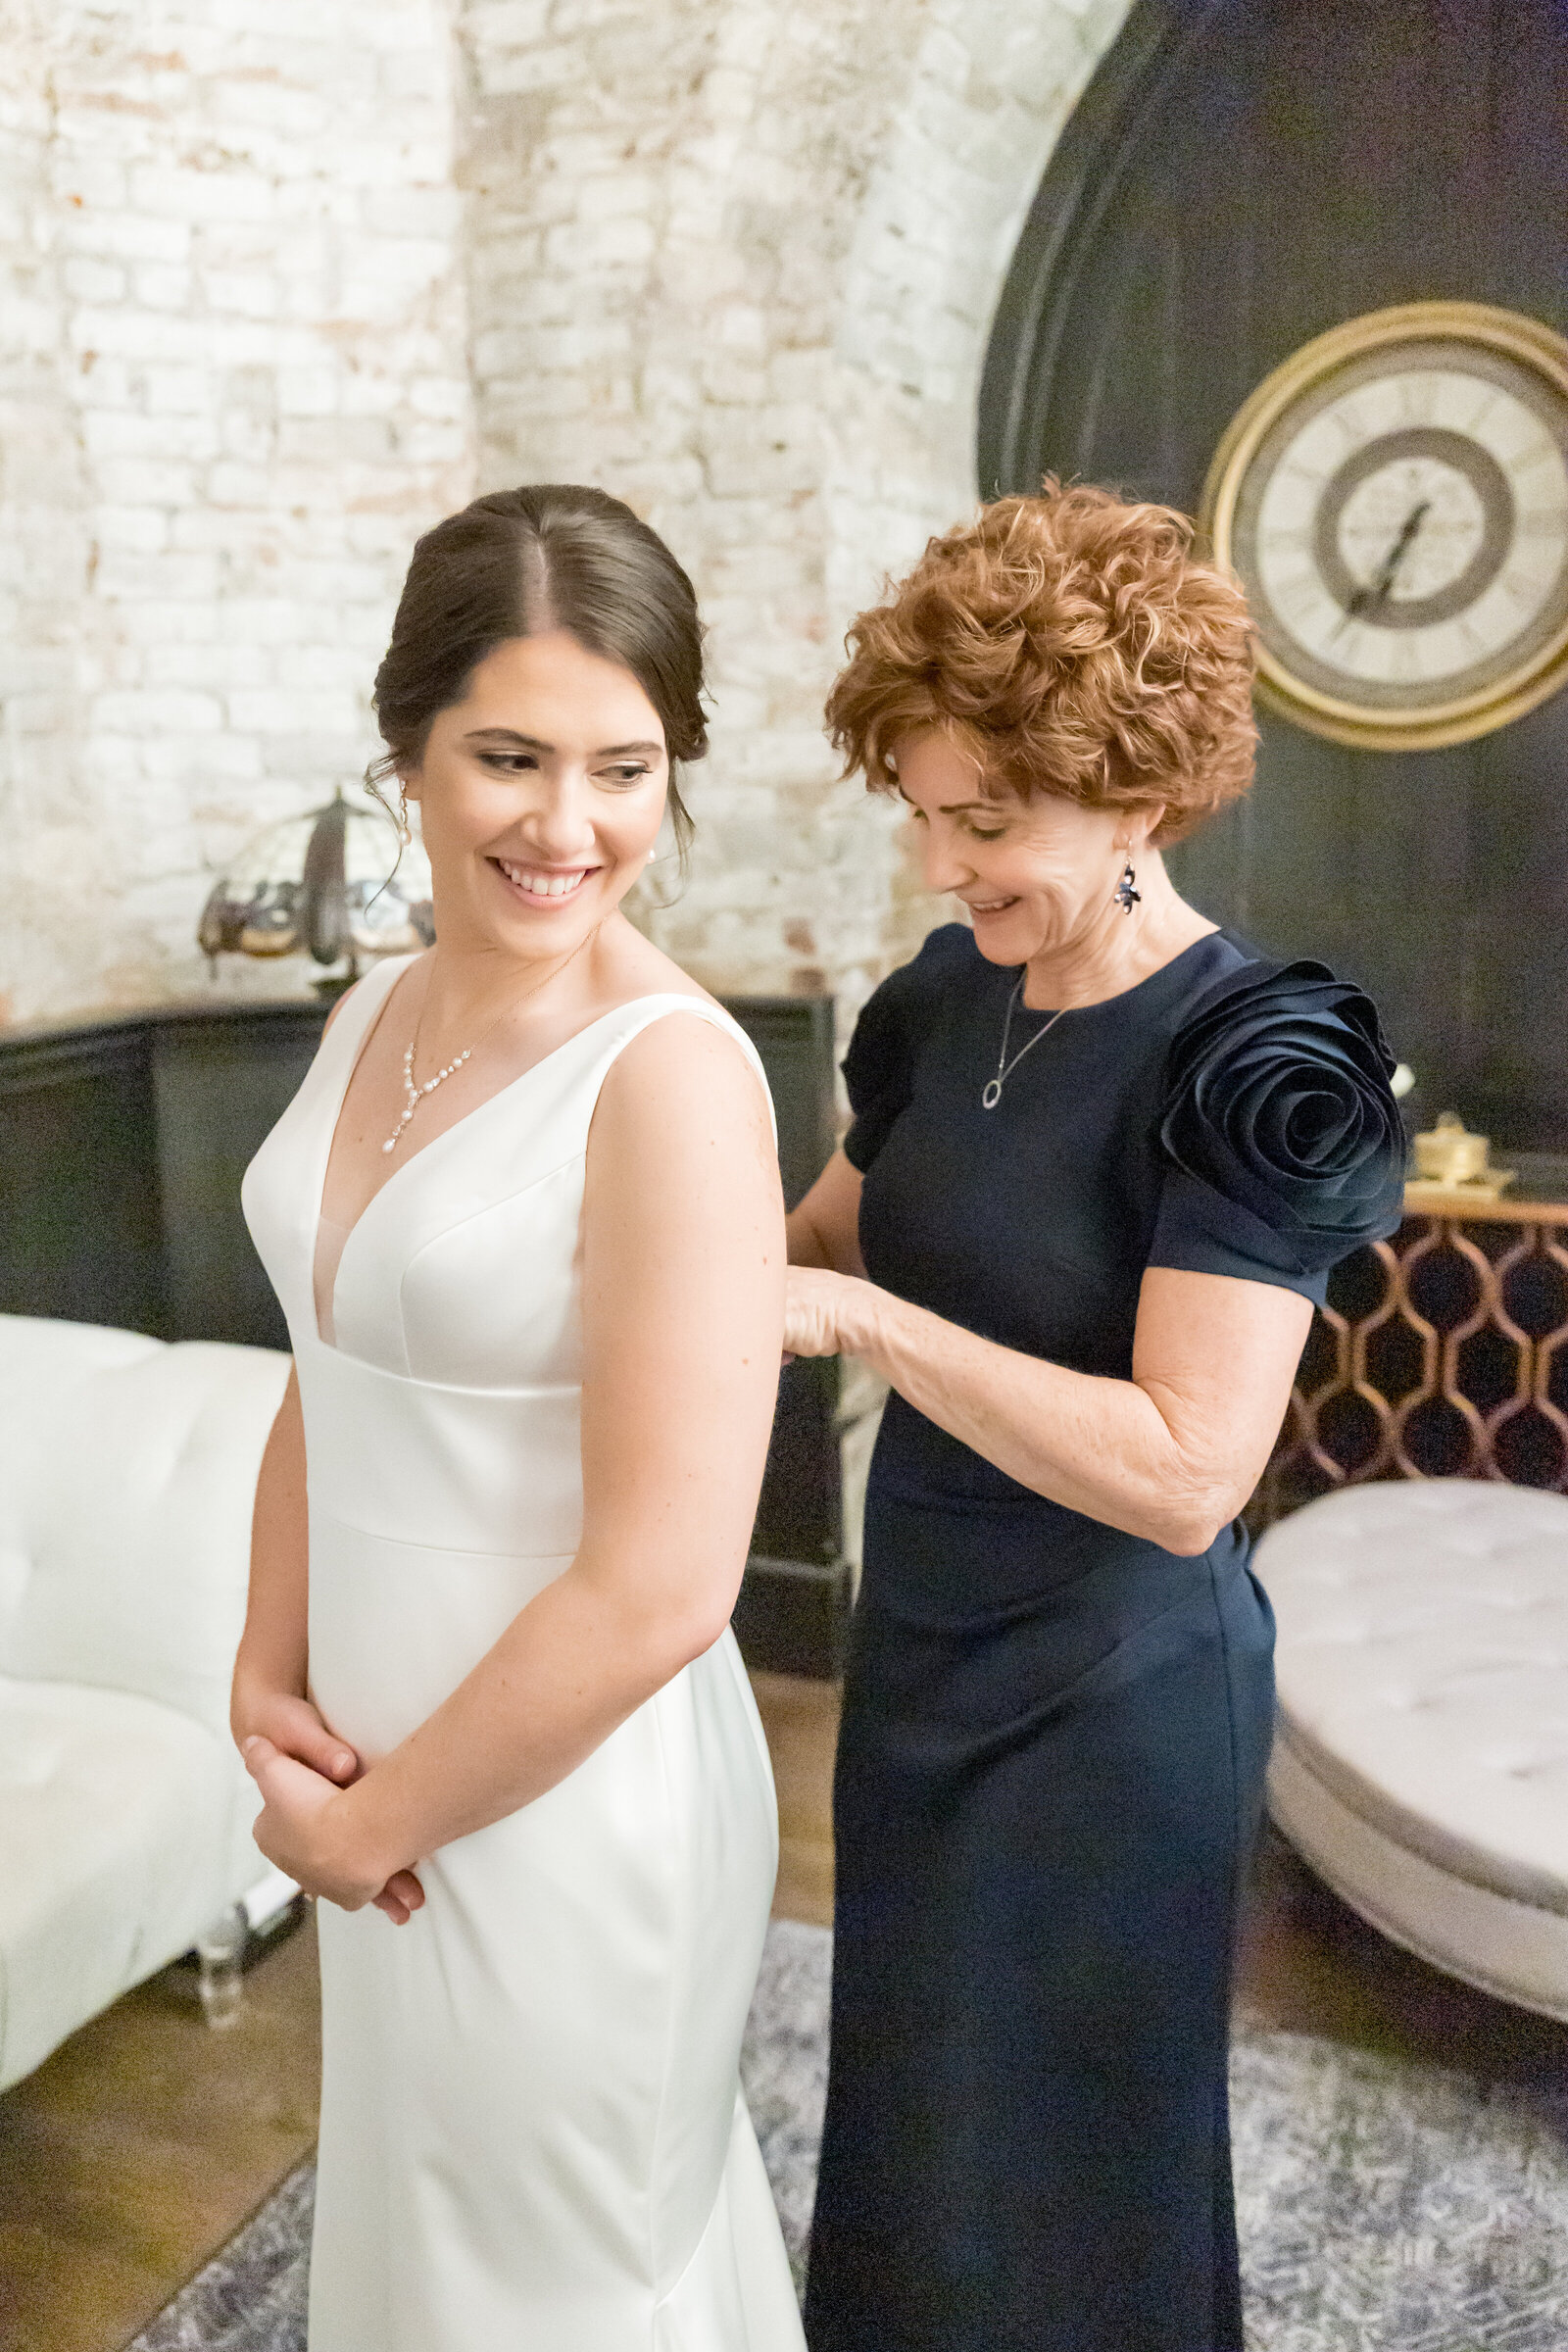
[416,1093]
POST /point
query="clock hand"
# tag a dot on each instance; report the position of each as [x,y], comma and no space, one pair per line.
[1396,553]
[1376,593]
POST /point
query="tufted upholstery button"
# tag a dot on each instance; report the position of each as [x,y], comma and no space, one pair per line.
[1433,1796]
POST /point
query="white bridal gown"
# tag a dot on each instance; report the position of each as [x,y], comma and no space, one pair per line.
[532,2133]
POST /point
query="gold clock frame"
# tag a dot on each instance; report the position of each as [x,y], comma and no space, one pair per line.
[1524,340]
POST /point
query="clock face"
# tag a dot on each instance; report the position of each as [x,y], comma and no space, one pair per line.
[1394,500]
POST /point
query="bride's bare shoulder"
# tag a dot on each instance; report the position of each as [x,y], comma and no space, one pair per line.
[632,967]
[681,1135]
[681,1083]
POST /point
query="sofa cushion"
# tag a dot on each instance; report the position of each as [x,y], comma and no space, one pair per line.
[124,1828]
[128,1471]
[1423,1672]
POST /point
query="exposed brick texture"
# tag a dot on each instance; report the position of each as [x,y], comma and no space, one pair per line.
[737,259]
[233,385]
[280,284]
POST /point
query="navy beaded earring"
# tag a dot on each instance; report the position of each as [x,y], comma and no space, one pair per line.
[1124,894]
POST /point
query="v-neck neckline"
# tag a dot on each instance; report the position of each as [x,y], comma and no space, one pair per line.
[331,1123]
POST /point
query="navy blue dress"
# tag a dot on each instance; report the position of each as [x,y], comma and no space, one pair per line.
[1051,1765]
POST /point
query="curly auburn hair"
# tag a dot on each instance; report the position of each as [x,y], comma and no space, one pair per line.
[1070,643]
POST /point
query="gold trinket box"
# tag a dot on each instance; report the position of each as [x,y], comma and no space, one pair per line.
[1448,1158]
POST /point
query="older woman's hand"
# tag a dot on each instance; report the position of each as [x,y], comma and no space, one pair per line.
[824,1312]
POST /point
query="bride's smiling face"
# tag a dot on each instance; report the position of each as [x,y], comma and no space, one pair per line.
[540,797]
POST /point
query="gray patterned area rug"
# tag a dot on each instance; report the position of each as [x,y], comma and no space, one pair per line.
[1383,2207]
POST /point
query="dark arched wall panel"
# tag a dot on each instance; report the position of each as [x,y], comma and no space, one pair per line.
[1240,178]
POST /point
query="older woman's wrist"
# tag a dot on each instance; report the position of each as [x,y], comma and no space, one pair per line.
[869,1322]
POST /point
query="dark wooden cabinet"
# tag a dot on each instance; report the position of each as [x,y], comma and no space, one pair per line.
[123,1142]
[1441,1354]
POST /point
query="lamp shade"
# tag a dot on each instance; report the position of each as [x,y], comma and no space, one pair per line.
[331,884]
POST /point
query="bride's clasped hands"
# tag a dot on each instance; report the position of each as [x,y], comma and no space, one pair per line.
[307,1828]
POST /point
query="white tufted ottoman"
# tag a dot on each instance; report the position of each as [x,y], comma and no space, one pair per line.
[1420,1761]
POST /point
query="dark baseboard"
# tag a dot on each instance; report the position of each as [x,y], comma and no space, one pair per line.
[792,1615]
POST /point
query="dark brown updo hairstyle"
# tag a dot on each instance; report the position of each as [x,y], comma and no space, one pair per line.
[517,563]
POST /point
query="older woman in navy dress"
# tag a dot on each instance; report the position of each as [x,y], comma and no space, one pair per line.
[1103,1155]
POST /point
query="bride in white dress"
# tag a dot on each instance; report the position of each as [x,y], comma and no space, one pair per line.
[524,1220]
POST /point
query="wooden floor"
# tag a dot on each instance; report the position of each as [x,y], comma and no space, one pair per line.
[143,2144]
[801,1722]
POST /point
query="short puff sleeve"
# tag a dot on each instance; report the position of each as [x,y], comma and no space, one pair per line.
[879,1066]
[1283,1138]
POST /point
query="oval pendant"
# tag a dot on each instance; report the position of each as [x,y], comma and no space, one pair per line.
[991,1094]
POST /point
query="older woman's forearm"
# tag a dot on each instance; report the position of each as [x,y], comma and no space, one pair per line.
[1101,1446]
[823,1229]
[807,1245]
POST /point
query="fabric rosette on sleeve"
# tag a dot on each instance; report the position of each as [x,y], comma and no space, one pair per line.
[1278,1097]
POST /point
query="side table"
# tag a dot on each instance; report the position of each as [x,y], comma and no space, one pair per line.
[1441,1354]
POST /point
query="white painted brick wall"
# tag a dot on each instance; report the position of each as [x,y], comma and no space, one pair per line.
[737,259]
[260,267]
[233,386]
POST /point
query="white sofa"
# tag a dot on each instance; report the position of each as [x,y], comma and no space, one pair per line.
[127,1469]
[1420,1757]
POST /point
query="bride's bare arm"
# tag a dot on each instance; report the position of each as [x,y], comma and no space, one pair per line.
[267,1694]
[269,1688]
[682,1301]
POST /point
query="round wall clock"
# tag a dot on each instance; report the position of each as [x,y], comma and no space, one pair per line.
[1394,501]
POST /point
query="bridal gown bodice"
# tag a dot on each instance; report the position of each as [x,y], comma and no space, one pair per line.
[532,2137]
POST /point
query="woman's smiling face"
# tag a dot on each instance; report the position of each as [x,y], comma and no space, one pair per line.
[540,797]
[1038,876]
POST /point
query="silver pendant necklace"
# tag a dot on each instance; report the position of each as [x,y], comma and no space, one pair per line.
[991,1094]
